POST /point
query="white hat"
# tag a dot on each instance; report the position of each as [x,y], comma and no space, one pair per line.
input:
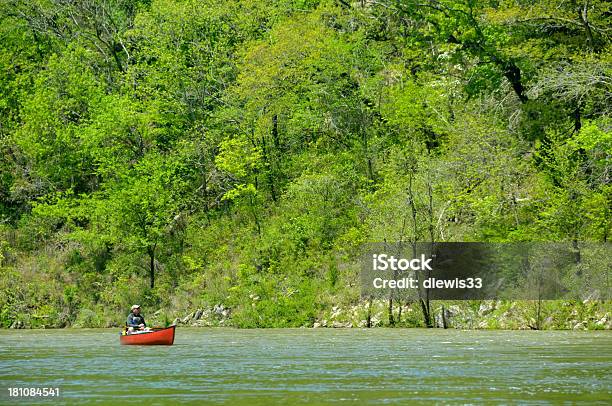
[135,307]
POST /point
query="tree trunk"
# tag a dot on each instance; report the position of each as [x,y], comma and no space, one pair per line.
[423,301]
[577,119]
[254,213]
[390,311]
[369,318]
[399,312]
[584,20]
[426,315]
[152,266]
[444,322]
[539,315]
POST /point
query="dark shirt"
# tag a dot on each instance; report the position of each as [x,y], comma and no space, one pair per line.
[135,320]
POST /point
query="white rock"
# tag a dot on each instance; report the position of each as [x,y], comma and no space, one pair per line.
[486,308]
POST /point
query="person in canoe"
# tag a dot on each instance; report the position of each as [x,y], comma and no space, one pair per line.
[136,321]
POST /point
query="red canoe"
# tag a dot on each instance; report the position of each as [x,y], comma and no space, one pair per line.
[164,336]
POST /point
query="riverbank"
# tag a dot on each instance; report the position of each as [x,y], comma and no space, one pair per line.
[503,315]
[469,315]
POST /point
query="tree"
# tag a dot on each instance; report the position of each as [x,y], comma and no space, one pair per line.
[139,211]
[98,25]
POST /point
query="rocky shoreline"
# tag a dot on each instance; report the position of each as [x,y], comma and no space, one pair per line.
[491,314]
[587,315]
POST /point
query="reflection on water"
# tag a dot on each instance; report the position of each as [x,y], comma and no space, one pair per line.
[293,366]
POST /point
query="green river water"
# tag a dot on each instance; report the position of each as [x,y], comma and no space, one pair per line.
[311,366]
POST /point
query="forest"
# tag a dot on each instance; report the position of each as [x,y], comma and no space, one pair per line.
[233,156]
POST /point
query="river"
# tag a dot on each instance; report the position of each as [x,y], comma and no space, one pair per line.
[311,366]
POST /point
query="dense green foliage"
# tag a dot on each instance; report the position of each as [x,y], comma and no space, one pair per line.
[183,153]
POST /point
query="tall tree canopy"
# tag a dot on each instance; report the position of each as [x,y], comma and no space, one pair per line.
[211,150]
